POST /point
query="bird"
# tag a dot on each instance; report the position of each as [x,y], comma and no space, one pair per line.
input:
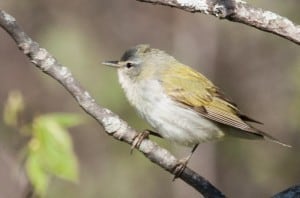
[180,104]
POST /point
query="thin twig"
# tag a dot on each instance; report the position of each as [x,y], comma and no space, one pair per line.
[111,122]
[239,11]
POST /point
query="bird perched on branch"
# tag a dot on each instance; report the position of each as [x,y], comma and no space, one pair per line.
[181,104]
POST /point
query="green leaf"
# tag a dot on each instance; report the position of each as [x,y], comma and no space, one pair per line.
[13,108]
[36,174]
[52,148]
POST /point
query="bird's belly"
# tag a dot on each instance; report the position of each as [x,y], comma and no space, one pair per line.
[182,125]
[176,122]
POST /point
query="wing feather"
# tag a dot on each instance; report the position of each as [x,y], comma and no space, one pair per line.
[195,91]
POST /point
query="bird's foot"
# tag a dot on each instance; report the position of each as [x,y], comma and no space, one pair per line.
[180,166]
[138,139]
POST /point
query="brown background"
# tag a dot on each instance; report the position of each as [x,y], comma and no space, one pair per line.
[260,71]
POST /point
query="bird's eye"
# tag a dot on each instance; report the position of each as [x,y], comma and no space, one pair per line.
[129,65]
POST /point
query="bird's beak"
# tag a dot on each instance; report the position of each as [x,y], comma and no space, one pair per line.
[112,63]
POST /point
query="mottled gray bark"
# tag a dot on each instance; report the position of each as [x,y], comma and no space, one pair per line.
[239,11]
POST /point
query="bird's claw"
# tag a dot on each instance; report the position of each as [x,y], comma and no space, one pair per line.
[180,166]
[138,140]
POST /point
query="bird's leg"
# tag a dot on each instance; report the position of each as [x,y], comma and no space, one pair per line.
[182,163]
[141,136]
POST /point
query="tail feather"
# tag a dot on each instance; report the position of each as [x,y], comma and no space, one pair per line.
[272,139]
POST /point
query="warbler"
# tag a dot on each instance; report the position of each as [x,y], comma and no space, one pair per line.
[181,104]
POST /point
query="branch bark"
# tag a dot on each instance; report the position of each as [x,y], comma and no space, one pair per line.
[293,191]
[111,122]
[239,11]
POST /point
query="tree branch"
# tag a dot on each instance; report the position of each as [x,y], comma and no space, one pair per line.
[239,11]
[111,122]
[293,191]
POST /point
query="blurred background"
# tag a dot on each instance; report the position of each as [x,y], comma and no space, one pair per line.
[258,70]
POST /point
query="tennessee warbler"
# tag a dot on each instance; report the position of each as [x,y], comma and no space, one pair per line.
[181,104]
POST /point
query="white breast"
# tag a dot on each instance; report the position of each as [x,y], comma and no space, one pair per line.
[170,119]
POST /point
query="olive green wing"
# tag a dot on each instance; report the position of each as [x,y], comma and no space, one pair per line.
[196,92]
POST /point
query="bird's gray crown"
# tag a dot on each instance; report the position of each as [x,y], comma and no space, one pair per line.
[134,51]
